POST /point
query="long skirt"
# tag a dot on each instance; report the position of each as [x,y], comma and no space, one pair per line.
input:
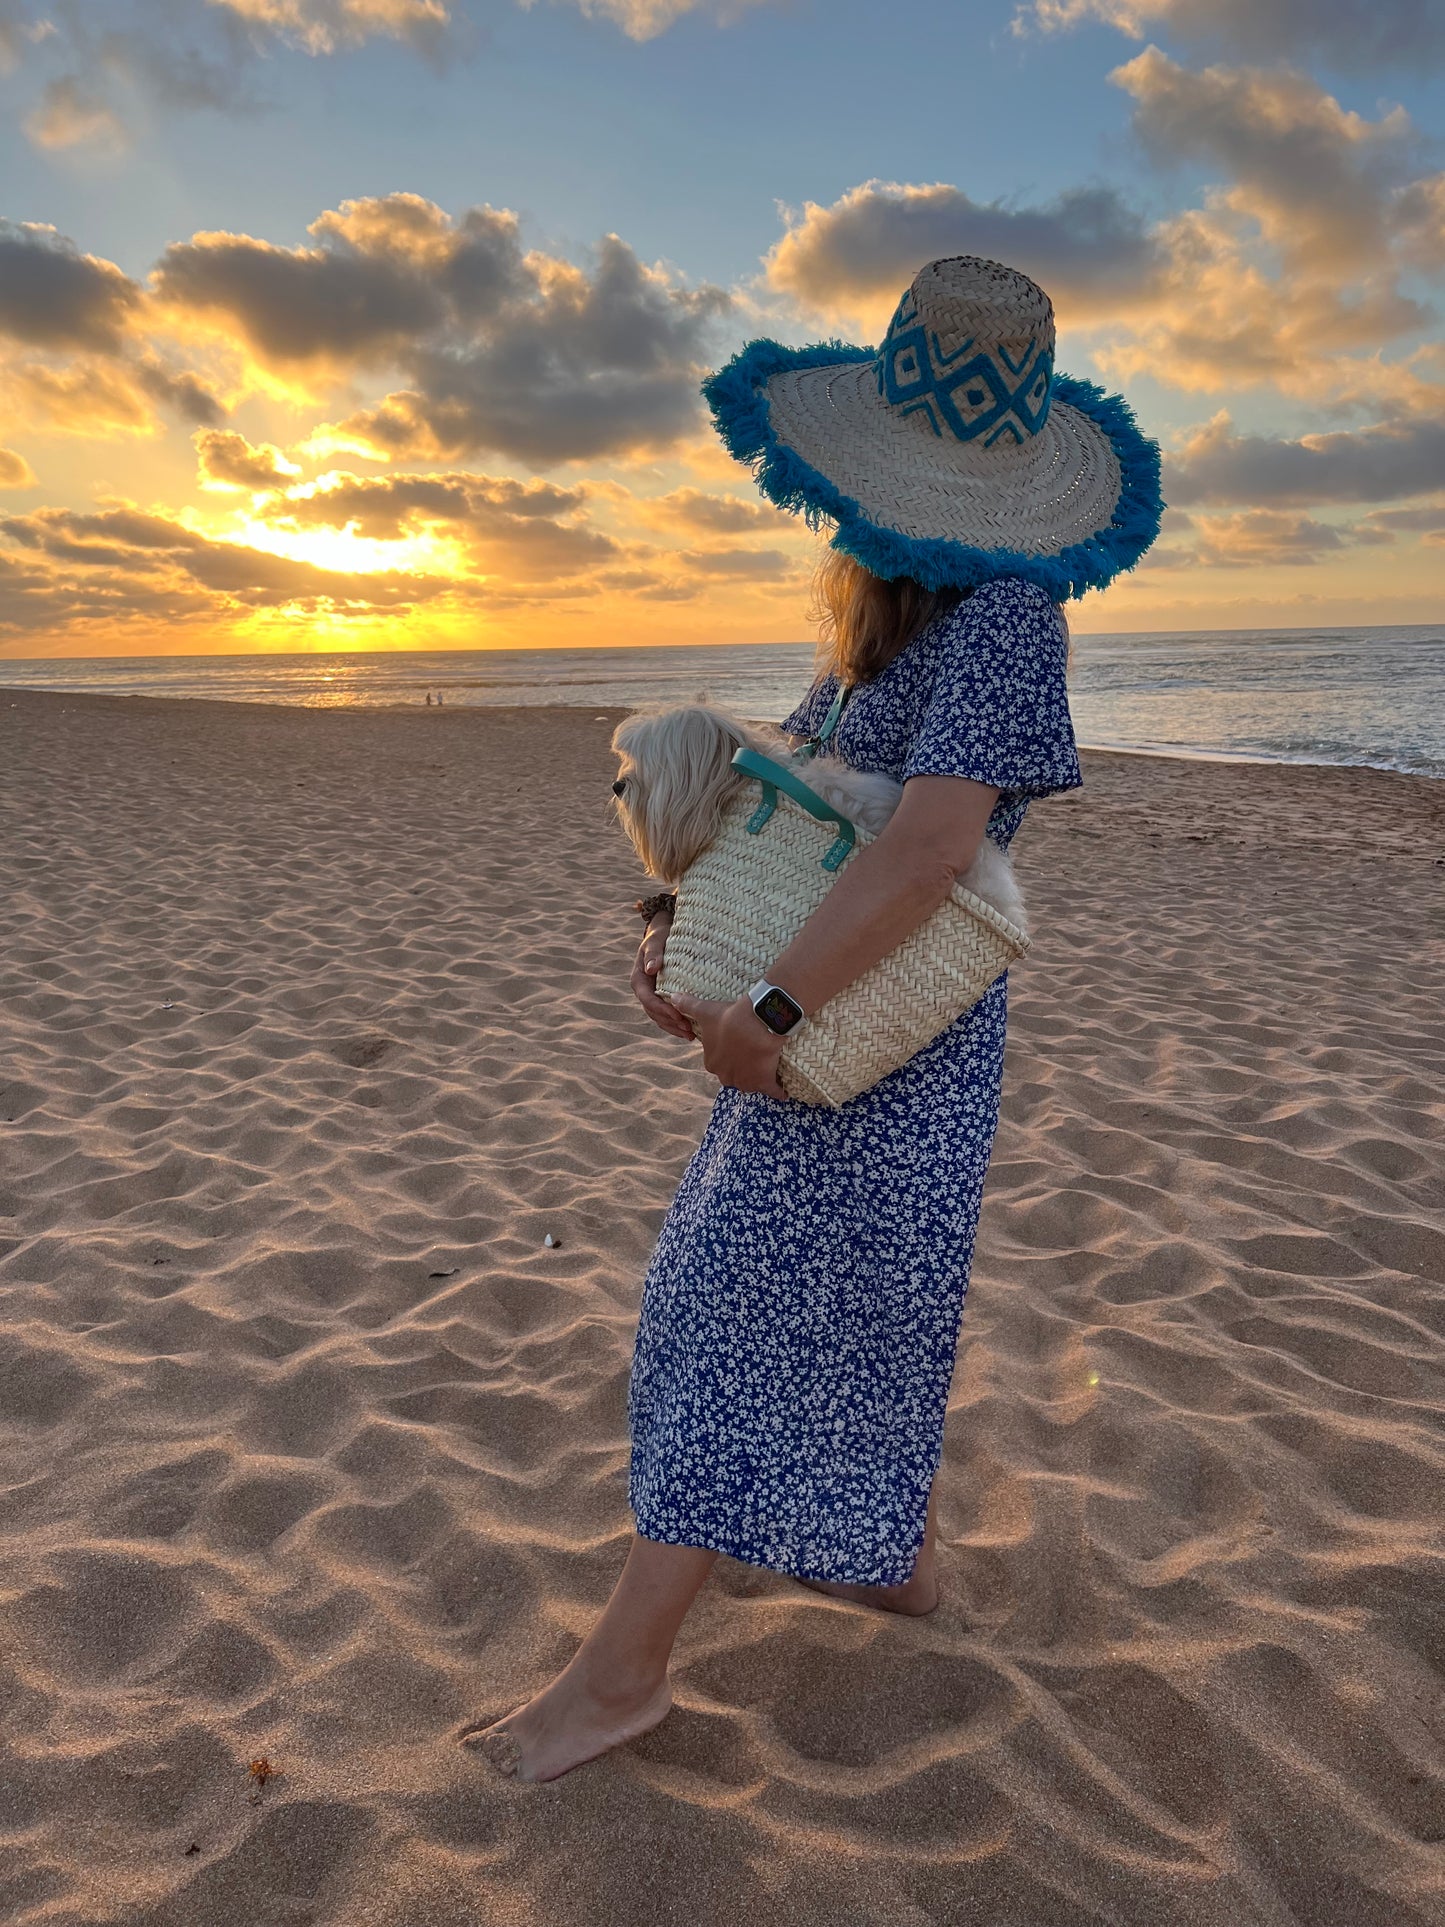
[801,1312]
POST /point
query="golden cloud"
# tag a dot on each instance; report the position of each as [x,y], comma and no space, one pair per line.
[1093,253]
[1292,272]
[645,19]
[91,397]
[121,564]
[69,114]
[529,532]
[1258,537]
[226,460]
[1322,186]
[698,513]
[15,471]
[324,26]
[502,350]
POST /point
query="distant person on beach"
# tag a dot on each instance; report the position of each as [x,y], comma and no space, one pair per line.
[801,1311]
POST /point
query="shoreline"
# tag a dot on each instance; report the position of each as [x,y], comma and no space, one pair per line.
[618,710]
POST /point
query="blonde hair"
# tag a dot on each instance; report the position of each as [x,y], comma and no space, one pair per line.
[865,620]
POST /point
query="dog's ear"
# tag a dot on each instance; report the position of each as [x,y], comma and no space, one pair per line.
[710,737]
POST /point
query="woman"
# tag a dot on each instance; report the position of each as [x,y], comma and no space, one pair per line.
[801,1311]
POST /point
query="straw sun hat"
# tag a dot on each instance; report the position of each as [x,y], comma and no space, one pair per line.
[954,453]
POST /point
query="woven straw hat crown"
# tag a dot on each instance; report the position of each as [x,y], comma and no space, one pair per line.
[954,452]
[970,352]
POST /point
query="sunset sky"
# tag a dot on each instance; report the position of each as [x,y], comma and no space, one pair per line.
[379,323]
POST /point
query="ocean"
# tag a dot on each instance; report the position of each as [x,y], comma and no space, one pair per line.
[1371,697]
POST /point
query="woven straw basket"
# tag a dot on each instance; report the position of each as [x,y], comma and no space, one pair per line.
[745,899]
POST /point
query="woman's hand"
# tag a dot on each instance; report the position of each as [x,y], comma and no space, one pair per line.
[737,1047]
[644,980]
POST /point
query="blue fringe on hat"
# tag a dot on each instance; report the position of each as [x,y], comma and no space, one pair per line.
[740,409]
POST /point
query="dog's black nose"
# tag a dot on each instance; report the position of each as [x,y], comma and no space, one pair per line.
[619,786]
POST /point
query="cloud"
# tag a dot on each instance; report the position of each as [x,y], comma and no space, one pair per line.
[501,350]
[101,397]
[97,376]
[1426,519]
[15,471]
[586,365]
[356,302]
[1382,463]
[12,37]
[1088,248]
[121,563]
[227,460]
[126,59]
[178,389]
[1259,537]
[699,513]
[90,396]
[645,19]
[739,563]
[1305,250]
[1319,182]
[134,55]
[505,351]
[326,26]
[1299,257]
[70,114]
[53,296]
[498,349]
[529,531]
[1348,34]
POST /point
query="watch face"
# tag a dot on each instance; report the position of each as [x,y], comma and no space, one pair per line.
[778,1011]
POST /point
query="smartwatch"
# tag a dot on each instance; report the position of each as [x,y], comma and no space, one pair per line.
[780,1012]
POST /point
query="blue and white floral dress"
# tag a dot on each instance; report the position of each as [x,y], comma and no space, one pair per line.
[801,1311]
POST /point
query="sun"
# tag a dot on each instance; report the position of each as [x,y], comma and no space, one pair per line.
[346,552]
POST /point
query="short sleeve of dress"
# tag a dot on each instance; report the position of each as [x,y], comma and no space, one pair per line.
[799,723]
[998,712]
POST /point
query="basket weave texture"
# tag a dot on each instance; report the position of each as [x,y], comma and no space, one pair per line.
[745,899]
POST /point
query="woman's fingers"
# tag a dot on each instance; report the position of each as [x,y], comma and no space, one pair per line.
[644,989]
[658,1009]
[737,1057]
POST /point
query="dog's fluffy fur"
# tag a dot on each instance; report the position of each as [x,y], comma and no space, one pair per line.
[677,766]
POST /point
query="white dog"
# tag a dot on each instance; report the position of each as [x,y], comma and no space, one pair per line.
[676,777]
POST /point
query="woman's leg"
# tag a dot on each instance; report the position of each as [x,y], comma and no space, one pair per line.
[919,1592]
[615,1686]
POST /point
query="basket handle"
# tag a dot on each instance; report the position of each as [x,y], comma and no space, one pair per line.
[777,776]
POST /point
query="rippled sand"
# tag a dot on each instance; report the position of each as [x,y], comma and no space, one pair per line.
[312,1026]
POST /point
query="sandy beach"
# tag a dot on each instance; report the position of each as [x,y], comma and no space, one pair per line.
[314,1025]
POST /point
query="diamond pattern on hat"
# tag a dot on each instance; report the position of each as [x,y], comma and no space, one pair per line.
[991,394]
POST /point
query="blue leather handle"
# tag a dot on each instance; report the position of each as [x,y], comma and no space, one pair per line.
[829,723]
[777,776]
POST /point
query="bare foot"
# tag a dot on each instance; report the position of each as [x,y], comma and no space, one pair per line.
[916,1596]
[568,1723]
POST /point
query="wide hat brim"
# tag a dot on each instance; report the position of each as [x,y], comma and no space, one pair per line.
[1068,508]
